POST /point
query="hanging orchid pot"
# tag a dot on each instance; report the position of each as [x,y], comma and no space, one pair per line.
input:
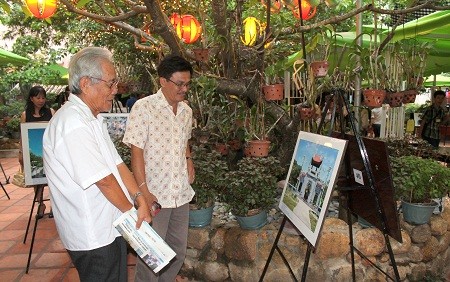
[275,5]
[374,97]
[319,68]
[409,96]
[395,99]
[274,92]
[201,54]
[41,9]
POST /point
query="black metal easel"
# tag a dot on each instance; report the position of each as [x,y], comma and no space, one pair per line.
[339,101]
[4,183]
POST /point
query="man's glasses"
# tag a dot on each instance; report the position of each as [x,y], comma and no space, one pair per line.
[110,84]
[180,85]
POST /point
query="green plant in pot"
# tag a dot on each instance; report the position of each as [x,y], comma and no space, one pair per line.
[210,170]
[13,126]
[416,182]
[251,189]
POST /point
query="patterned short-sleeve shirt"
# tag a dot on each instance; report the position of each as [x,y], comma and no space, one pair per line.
[153,127]
[433,117]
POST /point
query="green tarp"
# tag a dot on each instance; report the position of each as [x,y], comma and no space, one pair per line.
[7,57]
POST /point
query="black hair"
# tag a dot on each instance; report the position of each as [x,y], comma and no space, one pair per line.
[438,92]
[171,64]
[35,91]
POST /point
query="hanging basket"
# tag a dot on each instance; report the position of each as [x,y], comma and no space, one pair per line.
[374,97]
[319,68]
[409,96]
[258,148]
[395,99]
[306,113]
[222,148]
[201,55]
[274,92]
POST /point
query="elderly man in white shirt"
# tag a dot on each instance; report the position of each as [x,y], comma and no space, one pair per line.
[90,186]
[158,130]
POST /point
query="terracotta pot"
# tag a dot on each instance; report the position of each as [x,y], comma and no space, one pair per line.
[222,148]
[306,113]
[234,144]
[395,99]
[258,148]
[274,92]
[319,68]
[201,55]
[409,96]
[374,97]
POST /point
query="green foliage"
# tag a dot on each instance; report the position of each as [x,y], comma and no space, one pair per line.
[419,180]
[124,151]
[202,98]
[210,170]
[13,125]
[252,185]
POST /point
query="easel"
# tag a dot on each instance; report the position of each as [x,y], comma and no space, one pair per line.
[38,198]
[6,181]
[340,101]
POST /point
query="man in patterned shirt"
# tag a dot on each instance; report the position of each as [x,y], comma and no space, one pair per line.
[158,130]
[432,118]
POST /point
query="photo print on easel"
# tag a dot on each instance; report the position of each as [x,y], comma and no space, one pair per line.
[310,181]
[33,164]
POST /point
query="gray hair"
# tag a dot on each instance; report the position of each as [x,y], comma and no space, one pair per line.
[87,62]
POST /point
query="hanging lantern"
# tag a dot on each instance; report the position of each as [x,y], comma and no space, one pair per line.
[175,19]
[41,9]
[275,5]
[252,29]
[188,29]
[308,12]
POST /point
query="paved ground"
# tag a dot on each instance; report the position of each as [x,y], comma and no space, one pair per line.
[49,260]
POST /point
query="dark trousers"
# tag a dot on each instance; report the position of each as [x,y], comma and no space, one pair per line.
[108,263]
[433,142]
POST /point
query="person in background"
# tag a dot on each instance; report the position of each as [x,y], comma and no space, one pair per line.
[432,118]
[375,120]
[130,102]
[90,186]
[158,130]
[63,97]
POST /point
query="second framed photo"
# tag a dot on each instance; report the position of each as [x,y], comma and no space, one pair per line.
[33,164]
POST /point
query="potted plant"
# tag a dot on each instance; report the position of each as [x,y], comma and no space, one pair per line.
[251,190]
[417,181]
[13,126]
[209,181]
[320,50]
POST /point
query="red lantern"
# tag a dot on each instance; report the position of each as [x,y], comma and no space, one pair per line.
[188,29]
[275,5]
[308,11]
[41,9]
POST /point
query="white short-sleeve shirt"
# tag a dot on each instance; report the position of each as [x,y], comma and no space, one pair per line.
[153,127]
[77,153]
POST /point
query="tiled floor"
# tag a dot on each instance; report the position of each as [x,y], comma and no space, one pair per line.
[49,260]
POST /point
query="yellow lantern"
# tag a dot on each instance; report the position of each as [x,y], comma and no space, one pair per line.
[252,29]
[41,9]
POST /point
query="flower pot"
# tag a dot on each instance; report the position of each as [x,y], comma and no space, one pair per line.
[374,97]
[222,148]
[409,96]
[201,55]
[274,92]
[258,148]
[306,113]
[234,144]
[418,213]
[200,217]
[395,99]
[254,221]
[319,68]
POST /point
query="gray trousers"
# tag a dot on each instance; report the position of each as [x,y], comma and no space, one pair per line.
[172,225]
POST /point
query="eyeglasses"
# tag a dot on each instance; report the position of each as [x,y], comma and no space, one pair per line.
[110,84]
[180,85]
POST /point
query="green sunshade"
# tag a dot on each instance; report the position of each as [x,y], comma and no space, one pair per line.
[7,57]
[63,74]
[440,81]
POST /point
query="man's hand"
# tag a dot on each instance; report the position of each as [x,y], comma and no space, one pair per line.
[143,212]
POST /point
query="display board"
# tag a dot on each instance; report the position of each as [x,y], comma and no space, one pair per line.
[33,164]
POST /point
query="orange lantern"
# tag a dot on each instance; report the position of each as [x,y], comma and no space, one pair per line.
[275,5]
[175,19]
[308,12]
[188,29]
[41,9]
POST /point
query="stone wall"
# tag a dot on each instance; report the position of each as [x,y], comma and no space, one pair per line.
[225,252]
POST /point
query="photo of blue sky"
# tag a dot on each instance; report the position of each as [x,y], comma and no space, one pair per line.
[35,140]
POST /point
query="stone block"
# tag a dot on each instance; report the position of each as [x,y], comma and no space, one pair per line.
[420,233]
[213,271]
[401,248]
[240,244]
[369,241]
[198,238]
[438,225]
[430,249]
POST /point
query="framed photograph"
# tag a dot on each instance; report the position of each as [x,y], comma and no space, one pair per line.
[33,165]
[115,124]
[310,181]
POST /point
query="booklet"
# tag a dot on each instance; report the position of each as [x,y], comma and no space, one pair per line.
[145,241]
